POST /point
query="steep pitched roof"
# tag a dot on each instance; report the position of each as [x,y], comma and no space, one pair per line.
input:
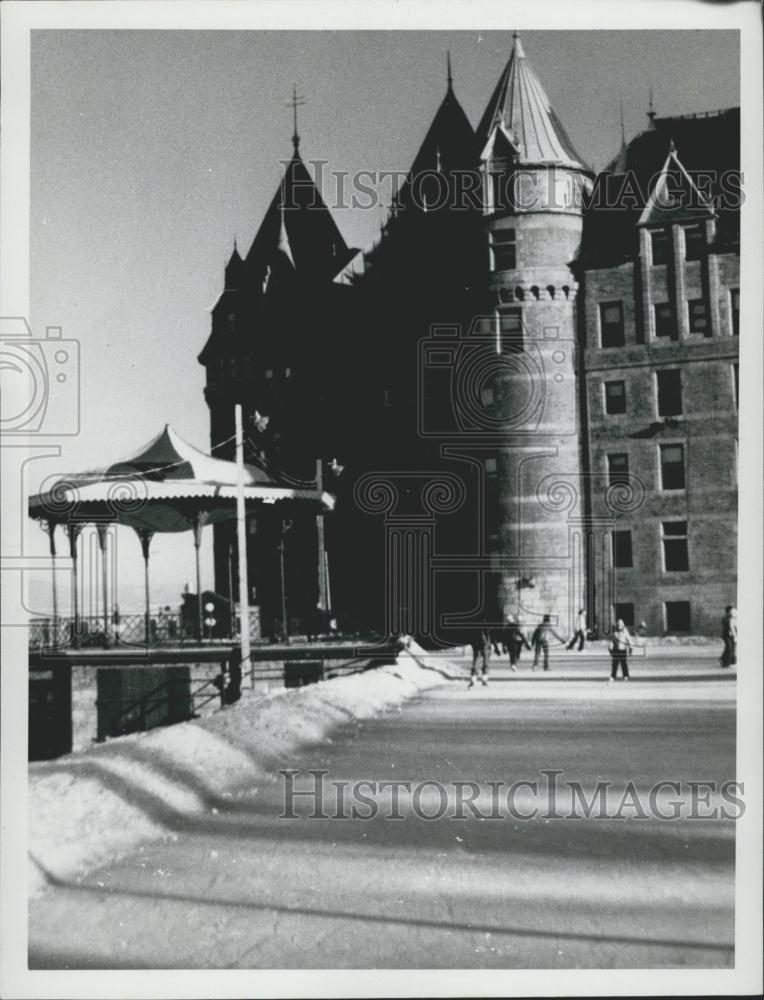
[520,108]
[298,218]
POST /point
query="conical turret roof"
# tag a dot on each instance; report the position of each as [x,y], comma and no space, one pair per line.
[520,108]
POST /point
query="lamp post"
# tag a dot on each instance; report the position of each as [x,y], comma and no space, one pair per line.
[241,538]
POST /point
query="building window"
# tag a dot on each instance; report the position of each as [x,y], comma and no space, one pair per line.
[664,321]
[615,397]
[269,373]
[677,616]
[611,324]
[503,250]
[735,309]
[694,242]
[699,317]
[675,557]
[672,466]
[622,557]
[626,613]
[490,466]
[736,382]
[660,243]
[669,383]
[618,469]
[510,320]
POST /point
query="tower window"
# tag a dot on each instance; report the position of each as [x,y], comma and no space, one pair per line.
[677,616]
[660,245]
[269,373]
[735,310]
[611,324]
[699,317]
[503,250]
[672,467]
[510,319]
[618,468]
[622,556]
[669,382]
[615,397]
[664,321]
[675,555]
[694,242]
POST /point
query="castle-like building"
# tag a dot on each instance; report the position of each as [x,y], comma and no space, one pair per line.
[524,395]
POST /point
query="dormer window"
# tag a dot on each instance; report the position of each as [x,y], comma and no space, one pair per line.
[660,245]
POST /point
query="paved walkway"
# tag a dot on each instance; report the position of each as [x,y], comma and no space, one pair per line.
[242,888]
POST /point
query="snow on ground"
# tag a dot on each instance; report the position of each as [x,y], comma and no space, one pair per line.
[90,807]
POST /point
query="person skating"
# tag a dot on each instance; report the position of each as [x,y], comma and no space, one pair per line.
[540,641]
[580,631]
[620,646]
[729,637]
[481,648]
[515,640]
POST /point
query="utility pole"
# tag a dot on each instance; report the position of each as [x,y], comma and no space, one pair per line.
[323,588]
[241,538]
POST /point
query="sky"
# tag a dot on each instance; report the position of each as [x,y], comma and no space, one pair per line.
[151,151]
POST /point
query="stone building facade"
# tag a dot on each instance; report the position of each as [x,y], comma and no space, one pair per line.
[528,384]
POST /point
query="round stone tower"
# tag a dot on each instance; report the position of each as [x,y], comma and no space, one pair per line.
[533,180]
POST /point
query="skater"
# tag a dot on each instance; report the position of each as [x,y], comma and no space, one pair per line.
[515,640]
[540,641]
[620,646]
[580,631]
[729,637]
[481,648]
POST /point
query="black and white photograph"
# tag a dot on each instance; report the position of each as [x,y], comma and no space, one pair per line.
[381,446]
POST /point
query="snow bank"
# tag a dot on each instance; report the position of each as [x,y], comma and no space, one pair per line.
[90,807]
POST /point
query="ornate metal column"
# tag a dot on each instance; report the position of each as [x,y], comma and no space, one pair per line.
[74,529]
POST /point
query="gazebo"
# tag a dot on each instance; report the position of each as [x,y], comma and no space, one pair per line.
[166,486]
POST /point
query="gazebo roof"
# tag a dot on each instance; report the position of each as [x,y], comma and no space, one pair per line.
[165,486]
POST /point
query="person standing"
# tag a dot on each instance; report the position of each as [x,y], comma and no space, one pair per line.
[540,641]
[729,637]
[481,649]
[620,646]
[515,640]
[580,631]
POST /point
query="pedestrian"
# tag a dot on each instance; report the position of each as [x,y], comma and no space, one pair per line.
[481,649]
[540,641]
[729,637]
[620,646]
[580,630]
[515,640]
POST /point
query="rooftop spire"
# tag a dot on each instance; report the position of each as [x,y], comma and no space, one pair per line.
[294,104]
[518,46]
[623,127]
[651,109]
[449,75]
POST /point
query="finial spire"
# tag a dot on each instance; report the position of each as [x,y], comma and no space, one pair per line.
[651,111]
[294,104]
[449,75]
[623,127]
[672,145]
[518,47]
